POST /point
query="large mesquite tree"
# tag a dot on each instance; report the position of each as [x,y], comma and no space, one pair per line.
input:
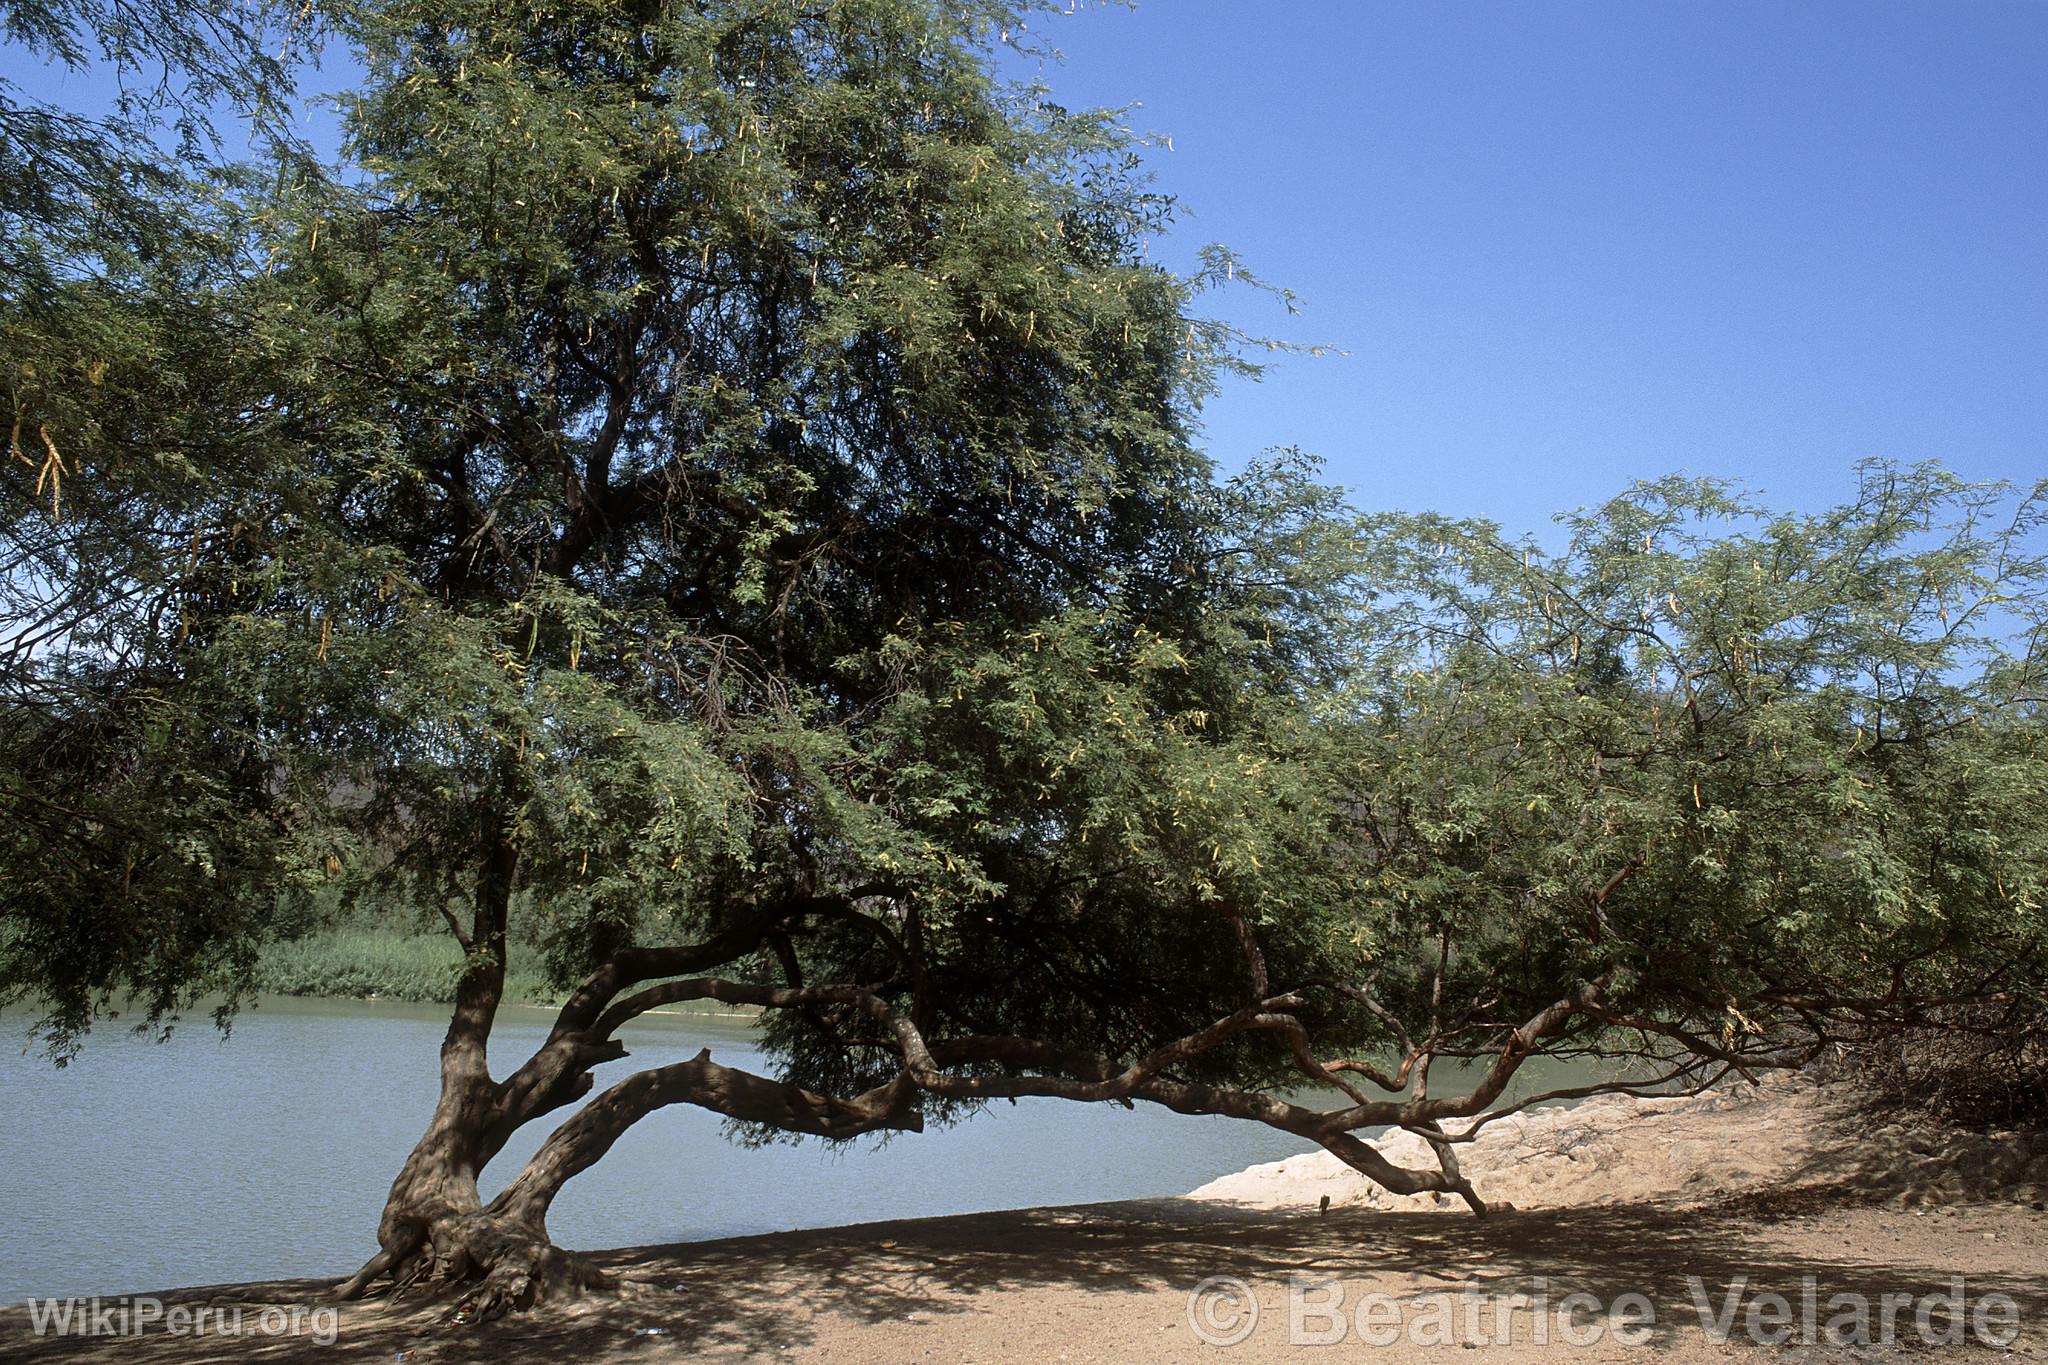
[722,474]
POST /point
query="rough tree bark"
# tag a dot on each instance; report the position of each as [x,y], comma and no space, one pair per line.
[436,1233]
[435,1230]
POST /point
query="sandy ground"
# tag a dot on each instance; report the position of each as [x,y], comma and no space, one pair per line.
[1618,1149]
[1677,1202]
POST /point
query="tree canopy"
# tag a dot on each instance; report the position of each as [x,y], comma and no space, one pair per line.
[726,476]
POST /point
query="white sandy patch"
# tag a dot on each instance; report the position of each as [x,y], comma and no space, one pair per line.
[1618,1149]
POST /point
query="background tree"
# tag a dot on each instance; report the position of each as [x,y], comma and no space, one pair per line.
[1771,783]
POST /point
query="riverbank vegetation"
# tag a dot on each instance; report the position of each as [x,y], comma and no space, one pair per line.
[383,962]
[722,481]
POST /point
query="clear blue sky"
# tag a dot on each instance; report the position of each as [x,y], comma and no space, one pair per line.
[1569,245]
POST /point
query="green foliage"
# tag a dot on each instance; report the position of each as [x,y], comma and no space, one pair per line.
[1758,768]
[726,464]
[102,193]
[123,410]
[577,494]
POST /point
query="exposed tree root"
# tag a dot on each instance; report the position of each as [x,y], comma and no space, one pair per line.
[488,1264]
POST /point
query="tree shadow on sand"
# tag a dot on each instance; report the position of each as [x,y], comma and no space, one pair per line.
[761,1296]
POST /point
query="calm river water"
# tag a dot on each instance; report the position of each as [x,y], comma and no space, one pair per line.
[200,1161]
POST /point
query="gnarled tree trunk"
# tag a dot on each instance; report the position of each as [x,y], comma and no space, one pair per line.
[435,1233]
